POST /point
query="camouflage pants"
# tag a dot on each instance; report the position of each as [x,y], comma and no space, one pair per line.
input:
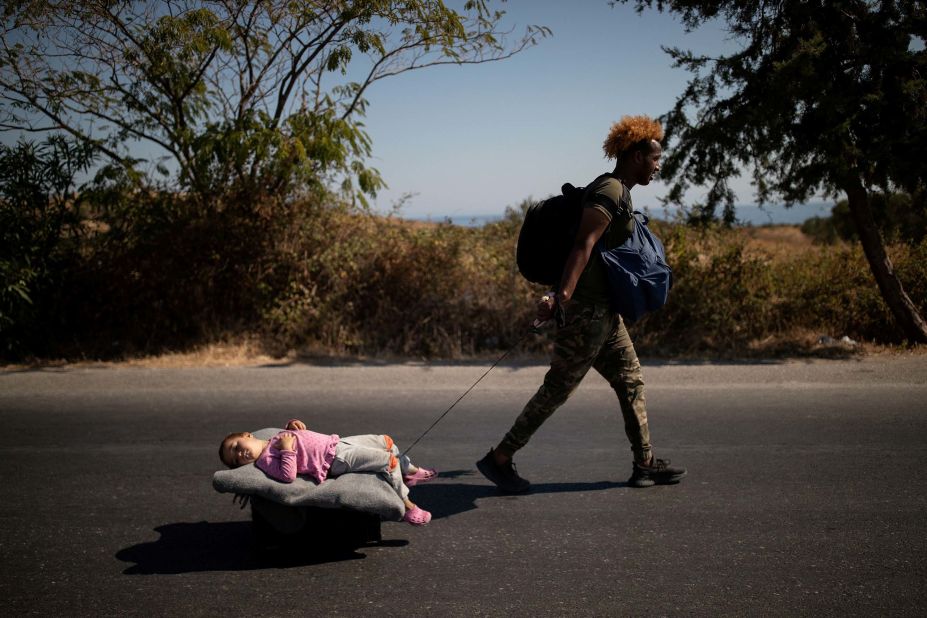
[592,337]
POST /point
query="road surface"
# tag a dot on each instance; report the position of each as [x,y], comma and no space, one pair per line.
[805,494]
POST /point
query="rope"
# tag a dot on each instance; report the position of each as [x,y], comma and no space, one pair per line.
[533,331]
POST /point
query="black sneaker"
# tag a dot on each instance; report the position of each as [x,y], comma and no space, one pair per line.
[505,477]
[659,472]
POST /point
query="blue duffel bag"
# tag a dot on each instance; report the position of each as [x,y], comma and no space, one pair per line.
[639,279]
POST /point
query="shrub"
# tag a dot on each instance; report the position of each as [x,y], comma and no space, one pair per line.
[376,284]
[721,299]
[726,300]
[40,234]
[901,218]
[142,272]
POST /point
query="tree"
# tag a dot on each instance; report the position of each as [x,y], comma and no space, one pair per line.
[241,98]
[900,219]
[826,96]
[40,229]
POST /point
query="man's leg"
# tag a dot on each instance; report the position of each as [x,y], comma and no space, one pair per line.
[575,349]
[576,346]
[618,363]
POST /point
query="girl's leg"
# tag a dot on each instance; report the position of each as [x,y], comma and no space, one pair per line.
[360,455]
[352,456]
[368,440]
[377,441]
[411,474]
[405,464]
[358,449]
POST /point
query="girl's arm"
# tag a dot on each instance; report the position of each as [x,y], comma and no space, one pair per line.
[280,462]
[295,424]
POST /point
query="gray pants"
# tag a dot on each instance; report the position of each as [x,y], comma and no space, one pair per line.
[368,453]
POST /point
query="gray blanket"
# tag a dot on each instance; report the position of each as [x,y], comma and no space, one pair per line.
[359,491]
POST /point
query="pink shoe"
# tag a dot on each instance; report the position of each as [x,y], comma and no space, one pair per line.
[417,517]
[423,475]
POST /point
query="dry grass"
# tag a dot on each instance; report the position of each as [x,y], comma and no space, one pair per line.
[226,354]
[441,291]
[799,344]
[776,241]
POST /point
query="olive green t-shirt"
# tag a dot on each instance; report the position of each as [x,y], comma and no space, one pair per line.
[607,195]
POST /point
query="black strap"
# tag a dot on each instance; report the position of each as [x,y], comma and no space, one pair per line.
[626,197]
[525,336]
[624,200]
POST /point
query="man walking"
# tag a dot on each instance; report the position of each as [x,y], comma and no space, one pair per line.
[589,333]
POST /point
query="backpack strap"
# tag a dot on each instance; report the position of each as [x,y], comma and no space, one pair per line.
[625,199]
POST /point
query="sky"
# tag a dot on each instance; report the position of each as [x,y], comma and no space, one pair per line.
[467,141]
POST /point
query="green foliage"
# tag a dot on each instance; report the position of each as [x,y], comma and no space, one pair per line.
[731,299]
[254,111]
[250,106]
[820,97]
[722,298]
[817,95]
[380,285]
[145,276]
[40,227]
[899,216]
[822,229]
[242,102]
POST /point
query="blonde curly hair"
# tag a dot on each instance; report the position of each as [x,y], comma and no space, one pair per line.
[630,131]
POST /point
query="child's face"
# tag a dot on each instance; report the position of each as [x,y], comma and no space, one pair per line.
[243,450]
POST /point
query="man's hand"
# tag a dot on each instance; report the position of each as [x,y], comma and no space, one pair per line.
[296,425]
[546,306]
[551,305]
[287,442]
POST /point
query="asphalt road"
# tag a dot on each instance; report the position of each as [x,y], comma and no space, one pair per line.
[805,495]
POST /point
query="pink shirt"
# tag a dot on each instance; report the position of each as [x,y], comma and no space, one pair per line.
[313,456]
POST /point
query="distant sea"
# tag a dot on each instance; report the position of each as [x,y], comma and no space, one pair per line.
[747,214]
[462,220]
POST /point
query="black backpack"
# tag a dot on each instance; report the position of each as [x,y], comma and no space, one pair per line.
[548,234]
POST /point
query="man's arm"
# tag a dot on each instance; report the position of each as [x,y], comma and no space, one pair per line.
[591,227]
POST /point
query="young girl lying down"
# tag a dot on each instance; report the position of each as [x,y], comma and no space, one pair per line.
[317,456]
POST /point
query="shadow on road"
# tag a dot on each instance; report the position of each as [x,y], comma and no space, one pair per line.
[228,546]
[223,546]
[446,499]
